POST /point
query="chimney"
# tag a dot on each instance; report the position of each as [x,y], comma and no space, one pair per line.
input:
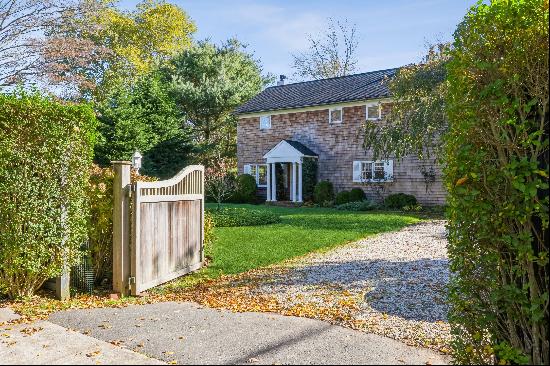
[281,80]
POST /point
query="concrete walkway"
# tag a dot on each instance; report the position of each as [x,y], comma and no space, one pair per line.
[45,343]
[189,334]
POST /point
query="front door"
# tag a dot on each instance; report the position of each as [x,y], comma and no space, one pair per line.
[283,181]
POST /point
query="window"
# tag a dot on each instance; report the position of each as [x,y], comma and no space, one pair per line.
[379,173]
[366,171]
[259,172]
[265,122]
[373,111]
[373,171]
[261,178]
[335,115]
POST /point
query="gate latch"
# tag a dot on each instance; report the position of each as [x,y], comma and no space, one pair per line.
[131,281]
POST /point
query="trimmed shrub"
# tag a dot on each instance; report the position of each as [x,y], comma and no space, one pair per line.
[245,189]
[309,178]
[323,192]
[356,195]
[45,158]
[342,197]
[357,206]
[400,200]
[230,217]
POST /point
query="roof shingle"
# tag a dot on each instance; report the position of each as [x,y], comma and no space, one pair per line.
[369,85]
[301,148]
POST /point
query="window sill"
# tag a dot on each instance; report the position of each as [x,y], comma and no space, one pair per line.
[374,181]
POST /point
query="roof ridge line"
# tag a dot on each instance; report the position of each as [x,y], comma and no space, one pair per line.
[334,77]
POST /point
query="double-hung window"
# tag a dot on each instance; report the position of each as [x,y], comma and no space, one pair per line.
[374,111]
[335,115]
[265,122]
[259,172]
[373,171]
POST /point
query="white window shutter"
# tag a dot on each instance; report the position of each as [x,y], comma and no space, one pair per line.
[247,169]
[388,170]
[357,171]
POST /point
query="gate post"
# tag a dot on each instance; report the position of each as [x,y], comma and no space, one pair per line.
[121,226]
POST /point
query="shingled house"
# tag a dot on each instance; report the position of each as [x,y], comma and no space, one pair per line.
[286,125]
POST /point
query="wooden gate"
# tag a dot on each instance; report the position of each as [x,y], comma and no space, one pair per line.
[167,228]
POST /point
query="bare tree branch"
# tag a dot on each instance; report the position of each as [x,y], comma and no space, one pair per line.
[329,55]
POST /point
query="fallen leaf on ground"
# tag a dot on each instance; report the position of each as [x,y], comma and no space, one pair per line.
[93,354]
[30,330]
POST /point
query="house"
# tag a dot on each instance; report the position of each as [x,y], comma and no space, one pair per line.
[288,128]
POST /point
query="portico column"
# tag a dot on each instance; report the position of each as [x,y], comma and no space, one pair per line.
[268,195]
[300,181]
[273,183]
[294,181]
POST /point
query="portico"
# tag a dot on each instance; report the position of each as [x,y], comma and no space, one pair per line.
[290,153]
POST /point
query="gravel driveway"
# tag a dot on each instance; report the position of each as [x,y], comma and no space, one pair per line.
[392,284]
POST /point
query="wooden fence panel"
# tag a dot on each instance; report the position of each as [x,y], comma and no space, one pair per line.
[167,230]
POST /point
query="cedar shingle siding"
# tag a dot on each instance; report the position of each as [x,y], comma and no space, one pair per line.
[337,145]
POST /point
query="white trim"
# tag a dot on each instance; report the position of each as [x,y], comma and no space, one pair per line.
[379,104]
[284,152]
[300,181]
[293,191]
[273,184]
[247,169]
[341,109]
[268,193]
[268,116]
[314,108]
[358,171]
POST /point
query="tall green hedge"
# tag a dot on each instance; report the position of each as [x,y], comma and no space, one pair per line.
[45,157]
[309,178]
[497,178]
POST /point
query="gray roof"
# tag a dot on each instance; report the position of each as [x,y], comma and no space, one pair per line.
[301,148]
[369,85]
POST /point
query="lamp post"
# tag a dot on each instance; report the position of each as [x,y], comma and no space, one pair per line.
[136,161]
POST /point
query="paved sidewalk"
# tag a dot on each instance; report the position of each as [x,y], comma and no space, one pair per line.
[187,333]
[46,343]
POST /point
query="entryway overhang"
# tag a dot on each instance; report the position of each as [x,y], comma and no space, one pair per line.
[287,152]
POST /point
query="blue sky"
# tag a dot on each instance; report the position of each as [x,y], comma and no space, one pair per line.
[391,33]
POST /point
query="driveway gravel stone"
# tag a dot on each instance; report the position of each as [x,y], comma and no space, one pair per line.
[393,284]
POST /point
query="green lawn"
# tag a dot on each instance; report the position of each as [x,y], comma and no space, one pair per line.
[302,230]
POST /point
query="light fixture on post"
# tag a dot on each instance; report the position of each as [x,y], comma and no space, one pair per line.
[136,161]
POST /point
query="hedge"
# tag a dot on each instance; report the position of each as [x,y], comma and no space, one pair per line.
[45,156]
[357,206]
[496,173]
[231,217]
[323,192]
[342,197]
[356,195]
[399,200]
[245,189]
